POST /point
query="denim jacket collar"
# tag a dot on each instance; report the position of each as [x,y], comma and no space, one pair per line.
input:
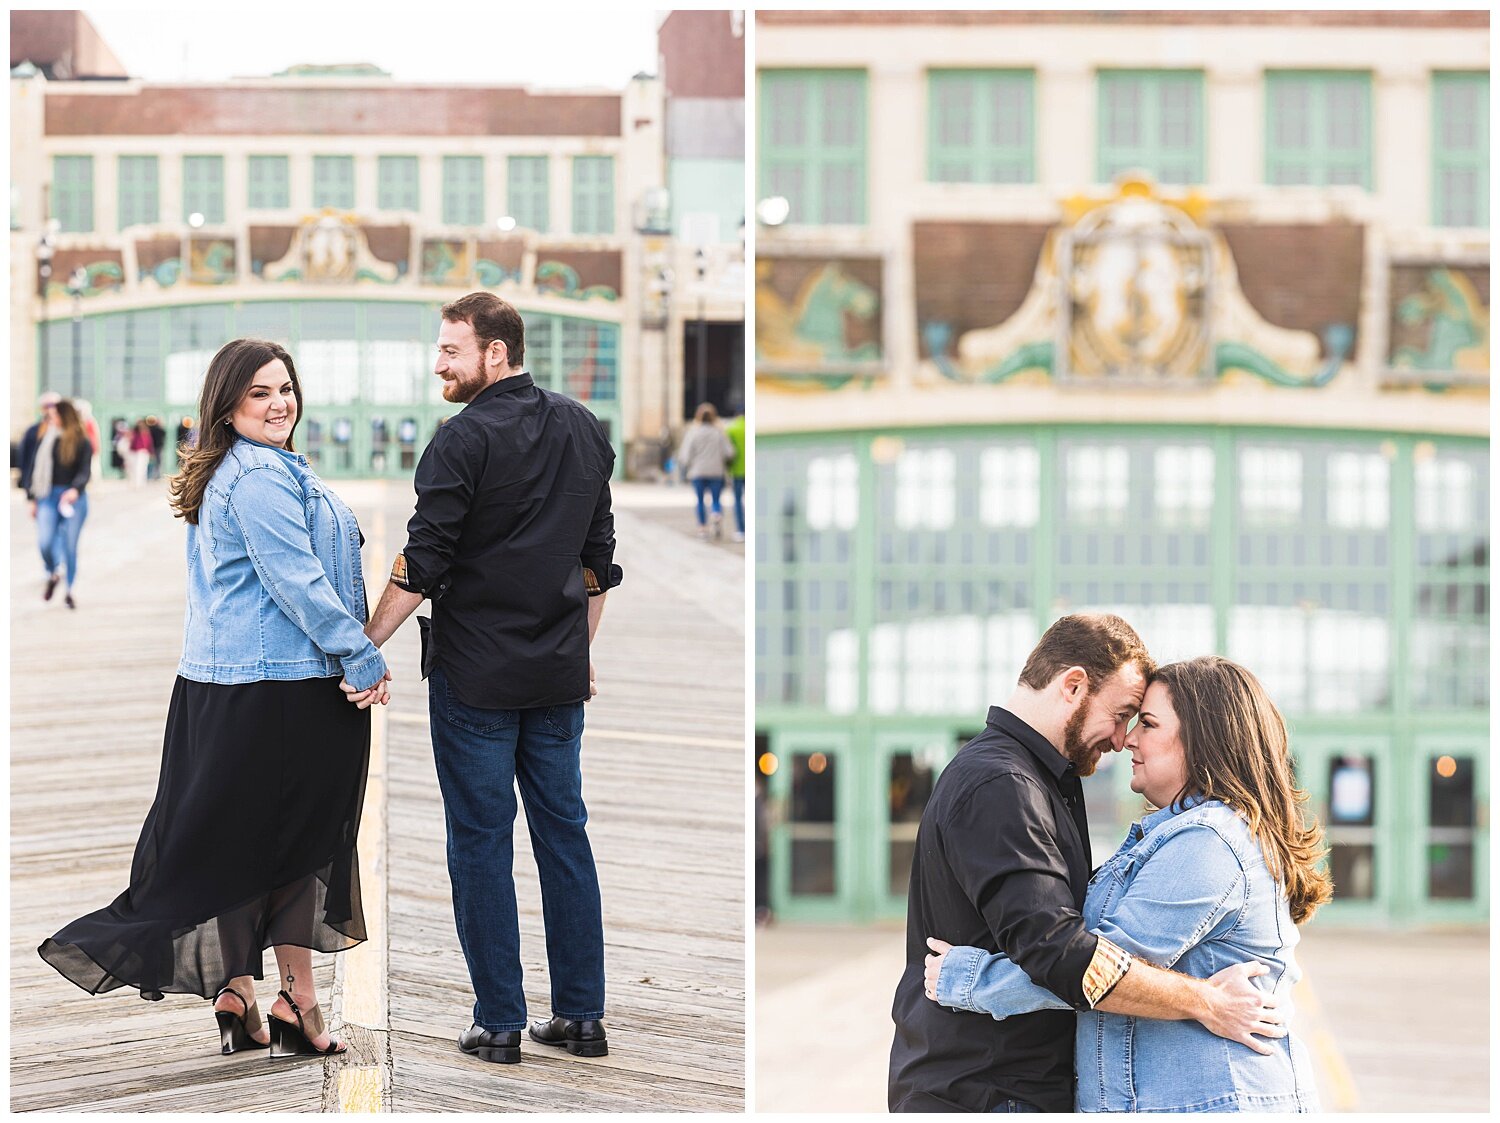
[294,457]
[1141,829]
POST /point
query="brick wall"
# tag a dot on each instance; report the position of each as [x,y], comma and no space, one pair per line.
[973,274]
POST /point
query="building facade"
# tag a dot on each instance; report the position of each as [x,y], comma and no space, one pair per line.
[1182,316]
[335,210]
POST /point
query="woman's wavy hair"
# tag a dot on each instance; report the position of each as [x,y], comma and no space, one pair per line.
[70,431]
[228,380]
[1235,748]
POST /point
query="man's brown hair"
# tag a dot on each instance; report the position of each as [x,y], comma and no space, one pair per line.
[492,319]
[1101,644]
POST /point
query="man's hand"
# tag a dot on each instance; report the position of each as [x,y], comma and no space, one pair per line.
[1239,1011]
[934,965]
[364,699]
[593,687]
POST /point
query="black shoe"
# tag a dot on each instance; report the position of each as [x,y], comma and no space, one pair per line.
[51,586]
[68,600]
[487,1045]
[582,1039]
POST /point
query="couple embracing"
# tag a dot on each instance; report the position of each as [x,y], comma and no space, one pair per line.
[250,842]
[1160,981]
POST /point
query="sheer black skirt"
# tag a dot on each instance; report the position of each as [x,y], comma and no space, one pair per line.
[250,843]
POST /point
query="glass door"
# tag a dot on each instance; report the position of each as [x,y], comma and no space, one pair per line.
[1450,794]
[811,844]
[907,766]
[1352,792]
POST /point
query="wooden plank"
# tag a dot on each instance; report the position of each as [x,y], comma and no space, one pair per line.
[666,802]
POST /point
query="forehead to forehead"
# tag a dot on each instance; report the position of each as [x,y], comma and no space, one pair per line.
[1125,686]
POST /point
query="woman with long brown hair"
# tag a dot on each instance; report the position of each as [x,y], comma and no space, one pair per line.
[56,485]
[1220,875]
[251,840]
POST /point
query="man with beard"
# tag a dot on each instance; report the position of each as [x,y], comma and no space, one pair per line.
[513,541]
[1003,862]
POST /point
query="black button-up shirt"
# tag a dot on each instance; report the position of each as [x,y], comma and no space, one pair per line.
[511,535]
[1002,863]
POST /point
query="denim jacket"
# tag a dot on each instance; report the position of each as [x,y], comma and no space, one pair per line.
[1189,890]
[275,586]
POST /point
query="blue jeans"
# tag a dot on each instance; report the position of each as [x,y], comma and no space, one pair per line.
[57,537]
[711,486]
[482,755]
[738,483]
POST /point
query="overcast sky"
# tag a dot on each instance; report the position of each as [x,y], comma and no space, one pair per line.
[552,46]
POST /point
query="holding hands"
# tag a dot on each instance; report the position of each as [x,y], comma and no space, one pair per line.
[364,699]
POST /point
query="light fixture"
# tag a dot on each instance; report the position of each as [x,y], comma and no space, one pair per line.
[773,211]
[506,223]
[195,220]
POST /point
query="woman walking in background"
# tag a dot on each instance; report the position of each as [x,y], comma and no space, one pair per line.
[702,456]
[251,840]
[141,449]
[54,481]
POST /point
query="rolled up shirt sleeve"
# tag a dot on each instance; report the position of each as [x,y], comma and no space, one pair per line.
[445,482]
[267,506]
[1012,869]
[600,573]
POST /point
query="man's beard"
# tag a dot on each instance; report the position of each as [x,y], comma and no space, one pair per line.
[1083,757]
[466,387]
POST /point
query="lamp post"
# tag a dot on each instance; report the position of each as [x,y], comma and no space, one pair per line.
[700,259]
[661,286]
[77,282]
[45,249]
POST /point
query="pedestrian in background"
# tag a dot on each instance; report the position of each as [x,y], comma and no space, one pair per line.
[701,458]
[158,443]
[141,447]
[250,842]
[91,430]
[187,436]
[55,482]
[119,446]
[30,439]
[735,431]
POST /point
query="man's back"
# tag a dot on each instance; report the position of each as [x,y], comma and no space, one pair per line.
[518,484]
[1002,846]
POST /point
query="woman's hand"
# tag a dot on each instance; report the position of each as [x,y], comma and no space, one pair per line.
[364,699]
[934,965]
[70,496]
[32,504]
[1242,1012]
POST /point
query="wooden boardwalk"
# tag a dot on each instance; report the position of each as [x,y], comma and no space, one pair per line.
[664,767]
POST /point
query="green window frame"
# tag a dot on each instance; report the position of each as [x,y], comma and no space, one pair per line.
[1461,149]
[812,139]
[138,181]
[333,182]
[463,190]
[73,193]
[1319,128]
[203,188]
[593,194]
[981,126]
[398,183]
[528,182]
[269,183]
[1152,120]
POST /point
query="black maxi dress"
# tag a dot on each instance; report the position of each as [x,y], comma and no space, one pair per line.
[249,844]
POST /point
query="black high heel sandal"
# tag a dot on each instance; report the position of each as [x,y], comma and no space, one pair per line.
[288,1040]
[235,1029]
